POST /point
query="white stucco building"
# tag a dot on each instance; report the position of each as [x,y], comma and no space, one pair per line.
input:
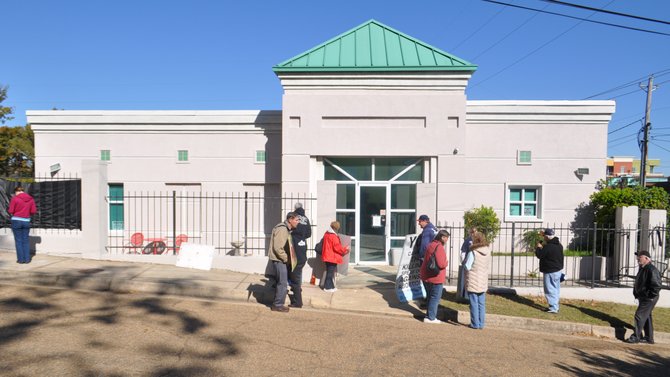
[375,124]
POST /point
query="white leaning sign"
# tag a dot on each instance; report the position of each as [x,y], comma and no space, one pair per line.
[193,255]
[408,285]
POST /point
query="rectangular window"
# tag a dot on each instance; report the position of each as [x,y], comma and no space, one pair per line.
[105,155]
[260,157]
[523,203]
[115,206]
[182,155]
[523,158]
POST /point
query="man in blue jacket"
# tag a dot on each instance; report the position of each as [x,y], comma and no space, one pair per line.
[299,235]
[427,234]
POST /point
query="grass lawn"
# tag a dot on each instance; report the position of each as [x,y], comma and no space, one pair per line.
[580,311]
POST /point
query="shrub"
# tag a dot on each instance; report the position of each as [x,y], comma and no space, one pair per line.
[485,220]
[530,239]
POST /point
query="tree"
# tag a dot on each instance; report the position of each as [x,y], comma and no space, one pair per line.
[485,220]
[17,146]
[5,112]
[605,201]
[17,152]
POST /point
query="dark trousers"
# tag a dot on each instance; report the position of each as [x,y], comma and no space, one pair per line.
[21,230]
[330,275]
[643,319]
[295,276]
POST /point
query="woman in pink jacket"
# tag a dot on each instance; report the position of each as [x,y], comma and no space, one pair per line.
[331,254]
[434,281]
[21,207]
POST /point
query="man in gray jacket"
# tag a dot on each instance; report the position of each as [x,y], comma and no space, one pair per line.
[279,253]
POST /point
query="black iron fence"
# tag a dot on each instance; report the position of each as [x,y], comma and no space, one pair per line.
[58,201]
[235,223]
[241,224]
[595,255]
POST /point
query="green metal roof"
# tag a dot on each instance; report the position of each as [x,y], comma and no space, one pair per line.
[373,46]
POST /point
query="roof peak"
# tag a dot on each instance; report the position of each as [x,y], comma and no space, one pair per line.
[373,46]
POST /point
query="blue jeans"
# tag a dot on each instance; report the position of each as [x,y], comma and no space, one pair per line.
[477,309]
[281,274]
[21,230]
[434,292]
[552,289]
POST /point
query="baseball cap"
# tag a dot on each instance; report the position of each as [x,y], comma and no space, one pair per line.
[549,232]
[424,218]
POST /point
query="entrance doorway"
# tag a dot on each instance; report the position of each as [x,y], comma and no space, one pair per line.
[376,203]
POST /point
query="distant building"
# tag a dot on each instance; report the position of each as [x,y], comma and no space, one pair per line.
[625,171]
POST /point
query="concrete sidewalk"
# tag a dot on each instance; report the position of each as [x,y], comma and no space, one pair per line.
[368,290]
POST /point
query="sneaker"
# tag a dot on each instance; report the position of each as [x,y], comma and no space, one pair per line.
[645,339]
[633,340]
[428,320]
[281,309]
[552,311]
[331,290]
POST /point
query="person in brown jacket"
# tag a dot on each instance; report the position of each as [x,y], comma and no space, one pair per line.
[477,280]
[279,253]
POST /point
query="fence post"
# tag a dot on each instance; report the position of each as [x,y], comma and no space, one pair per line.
[593,255]
[174,221]
[246,209]
[511,276]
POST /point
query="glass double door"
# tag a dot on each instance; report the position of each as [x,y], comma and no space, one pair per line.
[373,241]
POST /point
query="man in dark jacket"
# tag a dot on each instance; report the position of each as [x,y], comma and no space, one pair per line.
[551,263]
[301,233]
[646,290]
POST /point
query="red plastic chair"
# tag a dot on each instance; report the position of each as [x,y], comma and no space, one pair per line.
[177,243]
[134,243]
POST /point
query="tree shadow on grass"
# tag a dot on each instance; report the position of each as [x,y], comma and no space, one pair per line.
[642,363]
[510,294]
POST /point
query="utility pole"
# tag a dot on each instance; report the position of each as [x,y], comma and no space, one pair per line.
[645,140]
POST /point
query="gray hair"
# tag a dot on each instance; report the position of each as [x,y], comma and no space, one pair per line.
[297,205]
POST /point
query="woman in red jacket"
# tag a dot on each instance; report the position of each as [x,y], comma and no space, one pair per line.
[434,281]
[21,207]
[331,254]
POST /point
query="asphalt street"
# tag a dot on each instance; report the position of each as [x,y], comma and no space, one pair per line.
[66,332]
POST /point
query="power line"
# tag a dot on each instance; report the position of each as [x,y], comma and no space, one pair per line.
[606,11]
[634,82]
[622,137]
[577,18]
[478,29]
[621,128]
[508,34]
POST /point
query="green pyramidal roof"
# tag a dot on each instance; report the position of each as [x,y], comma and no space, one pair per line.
[373,46]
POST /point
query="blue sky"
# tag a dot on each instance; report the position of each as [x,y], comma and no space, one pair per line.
[206,54]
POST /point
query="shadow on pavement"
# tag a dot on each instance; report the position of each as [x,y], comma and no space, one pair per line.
[646,363]
[384,284]
[619,325]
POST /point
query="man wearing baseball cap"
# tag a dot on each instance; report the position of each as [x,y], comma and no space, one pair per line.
[551,263]
[646,290]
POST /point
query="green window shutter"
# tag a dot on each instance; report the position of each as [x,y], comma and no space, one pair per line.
[105,155]
[260,157]
[182,155]
[116,206]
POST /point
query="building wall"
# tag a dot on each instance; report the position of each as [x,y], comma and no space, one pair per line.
[143,146]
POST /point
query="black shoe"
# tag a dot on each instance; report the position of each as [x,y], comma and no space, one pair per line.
[633,340]
[645,339]
[297,306]
[281,309]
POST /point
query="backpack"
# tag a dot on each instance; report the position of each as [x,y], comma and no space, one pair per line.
[431,265]
[318,248]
